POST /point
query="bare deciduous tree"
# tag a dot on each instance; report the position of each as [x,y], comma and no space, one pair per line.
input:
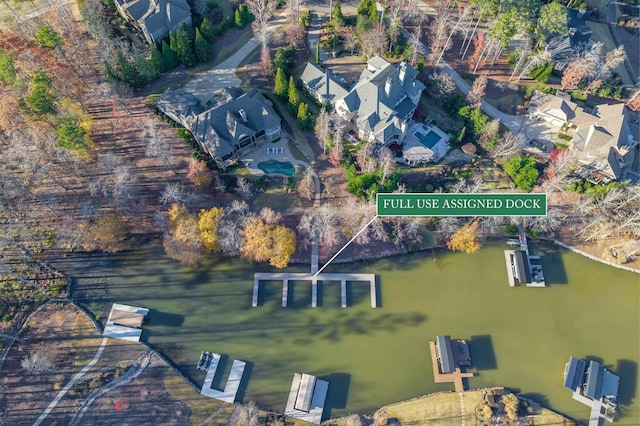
[508,146]
[307,186]
[477,91]
[248,415]
[262,10]
[40,362]
[243,187]
[386,162]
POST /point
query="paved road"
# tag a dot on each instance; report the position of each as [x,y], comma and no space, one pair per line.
[72,382]
[513,122]
[223,75]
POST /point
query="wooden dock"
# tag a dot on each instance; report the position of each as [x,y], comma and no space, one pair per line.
[314,293]
[455,377]
[285,292]
[286,277]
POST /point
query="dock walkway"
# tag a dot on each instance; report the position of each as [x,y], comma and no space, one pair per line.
[233,382]
[285,277]
[455,377]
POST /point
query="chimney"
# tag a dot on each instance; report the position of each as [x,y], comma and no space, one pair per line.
[387,86]
[403,71]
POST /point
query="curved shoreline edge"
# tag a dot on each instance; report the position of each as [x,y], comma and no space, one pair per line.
[390,253]
[592,257]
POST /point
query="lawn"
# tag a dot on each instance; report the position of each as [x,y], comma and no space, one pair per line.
[201,406]
[443,408]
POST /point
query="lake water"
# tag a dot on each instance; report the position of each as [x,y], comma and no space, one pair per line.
[520,337]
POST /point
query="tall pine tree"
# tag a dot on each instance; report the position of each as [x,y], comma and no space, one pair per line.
[281,87]
[303,116]
[202,47]
[206,29]
[293,96]
[184,49]
[169,58]
[156,59]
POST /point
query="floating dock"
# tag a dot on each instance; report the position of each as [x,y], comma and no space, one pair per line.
[233,382]
[306,398]
[520,268]
[286,277]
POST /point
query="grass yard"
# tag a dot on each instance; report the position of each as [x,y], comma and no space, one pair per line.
[201,406]
[276,198]
[84,340]
[438,409]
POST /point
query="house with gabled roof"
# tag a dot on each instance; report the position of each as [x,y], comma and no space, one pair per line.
[324,85]
[382,102]
[155,18]
[607,147]
[231,125]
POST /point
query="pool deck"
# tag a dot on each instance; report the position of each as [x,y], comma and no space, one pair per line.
[286,277]
[455,377]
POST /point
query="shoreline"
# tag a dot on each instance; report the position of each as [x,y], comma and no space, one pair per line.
[390,253]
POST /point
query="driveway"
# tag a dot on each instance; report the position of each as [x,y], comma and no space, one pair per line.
[223,75]
[513,122]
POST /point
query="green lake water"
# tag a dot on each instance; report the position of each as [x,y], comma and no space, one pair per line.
[520,337]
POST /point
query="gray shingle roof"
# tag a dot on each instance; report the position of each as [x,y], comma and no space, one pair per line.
[157,17]
[223,126]
[382,96]
[445,354]
[323,82]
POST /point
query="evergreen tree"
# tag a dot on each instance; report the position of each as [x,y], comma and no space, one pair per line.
[110,73]
[281,87]
[247,16]
[184,49]
[145,67]
[337,18]
[293,96]
[303,116]
[239,17]
[317,53]
[169,58]
[206,29]
[156,59]
[203,48]
[8,70]
[128,72]
[373,12]
[363,7]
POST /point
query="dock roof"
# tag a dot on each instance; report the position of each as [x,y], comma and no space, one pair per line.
[593,386]
[574,373]
[445,354]
[305,392]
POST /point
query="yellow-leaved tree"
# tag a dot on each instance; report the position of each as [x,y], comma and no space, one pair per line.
[262,242]
[208,224]
[106,234]
[183,242]
[466,239]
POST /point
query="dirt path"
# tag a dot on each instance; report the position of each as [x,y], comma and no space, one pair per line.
[72,382]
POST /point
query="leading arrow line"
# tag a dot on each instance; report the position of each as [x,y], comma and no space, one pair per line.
[346,245]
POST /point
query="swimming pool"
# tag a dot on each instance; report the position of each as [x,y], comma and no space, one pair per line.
[428,140]
[273,167]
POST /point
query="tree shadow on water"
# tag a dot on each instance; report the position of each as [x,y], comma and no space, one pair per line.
[338,393]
